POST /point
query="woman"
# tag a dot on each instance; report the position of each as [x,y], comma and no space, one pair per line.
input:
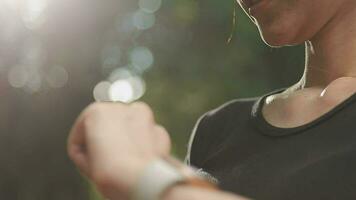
[294,143]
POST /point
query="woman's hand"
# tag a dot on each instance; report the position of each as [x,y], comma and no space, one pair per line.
[112,142]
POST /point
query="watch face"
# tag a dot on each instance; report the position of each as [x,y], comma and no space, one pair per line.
[206,176]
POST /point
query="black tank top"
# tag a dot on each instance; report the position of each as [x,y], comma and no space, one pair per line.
[250,157]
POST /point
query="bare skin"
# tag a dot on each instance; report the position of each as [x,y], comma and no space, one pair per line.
[296,108]
[329,78]
[112,143]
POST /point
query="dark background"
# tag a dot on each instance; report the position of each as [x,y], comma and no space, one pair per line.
[54,53]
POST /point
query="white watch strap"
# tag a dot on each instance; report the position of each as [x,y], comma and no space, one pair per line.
[157,177]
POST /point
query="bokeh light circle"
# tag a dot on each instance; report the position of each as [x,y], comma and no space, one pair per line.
[150,6]
[120,73]
[127,90]
[18,77]
[101,91]
[121,90]
[141,58]
[34,83]
[143,20]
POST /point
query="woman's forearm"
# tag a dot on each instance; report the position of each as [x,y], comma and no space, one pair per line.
[187,192]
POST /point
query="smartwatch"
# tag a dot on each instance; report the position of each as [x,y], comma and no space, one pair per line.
[162,174]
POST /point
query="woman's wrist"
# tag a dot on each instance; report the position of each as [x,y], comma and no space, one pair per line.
[112,183]
[163,175]
[174,192]
[155,179]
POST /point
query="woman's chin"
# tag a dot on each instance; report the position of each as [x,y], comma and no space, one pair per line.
[278,42]
[277,33]
[279,39]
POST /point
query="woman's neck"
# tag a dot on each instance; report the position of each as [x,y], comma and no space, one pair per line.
[331,54]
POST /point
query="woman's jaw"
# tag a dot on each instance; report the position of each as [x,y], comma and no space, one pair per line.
[327,27]
[290,22]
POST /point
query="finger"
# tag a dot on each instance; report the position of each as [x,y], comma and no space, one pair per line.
[144,110]
[76,147]
[80,159]
[163,141]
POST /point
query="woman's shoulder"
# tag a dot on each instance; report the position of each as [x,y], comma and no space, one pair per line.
[211,127]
